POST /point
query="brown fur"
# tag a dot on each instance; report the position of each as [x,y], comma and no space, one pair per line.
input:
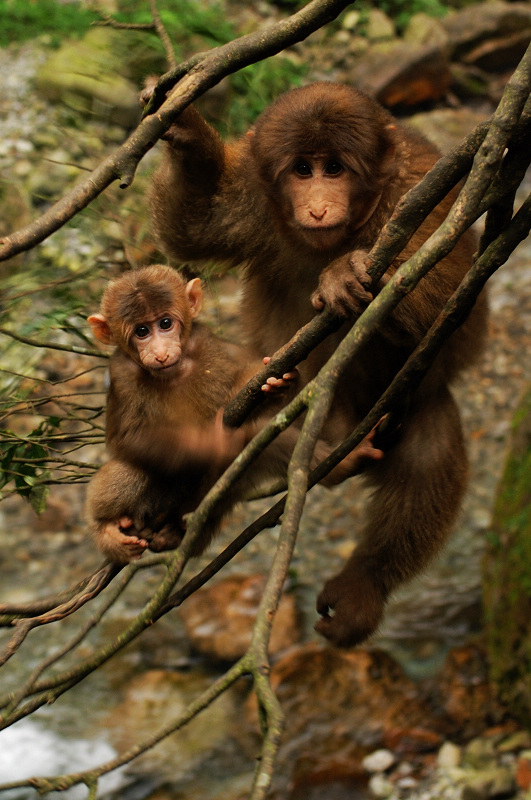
[163,429]
[241,211]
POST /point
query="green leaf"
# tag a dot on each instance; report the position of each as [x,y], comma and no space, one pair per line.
[38,497]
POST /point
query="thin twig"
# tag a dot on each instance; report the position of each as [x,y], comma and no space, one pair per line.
[70,348]
[163,35]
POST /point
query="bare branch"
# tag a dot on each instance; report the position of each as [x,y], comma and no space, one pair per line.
[163,35]
[70,348]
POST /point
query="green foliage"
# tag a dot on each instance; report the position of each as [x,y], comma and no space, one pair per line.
[22,21]
[22,462]
[183,19]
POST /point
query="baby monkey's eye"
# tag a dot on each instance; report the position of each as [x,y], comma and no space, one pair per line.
[165,323]
[141,331]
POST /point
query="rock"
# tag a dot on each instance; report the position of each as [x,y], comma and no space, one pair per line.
[380,786]
[479,753]
[360,698]
[378,26]
[449,756]
[473,36]
[446,127]
[154,699]
[494,782]
[463,692]
[409,740]
[500,54]
[423,29]
[51,177]
[219,619]
[470,82]
[519,740]
[401,74]
[379,761]
[87,76]
[350,20]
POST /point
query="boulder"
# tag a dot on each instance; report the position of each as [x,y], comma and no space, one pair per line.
[219,619]
[87,76]
[402,74]
[493,35]
[339,708]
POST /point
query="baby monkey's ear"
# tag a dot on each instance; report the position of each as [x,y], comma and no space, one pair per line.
[100,328]
[194,293]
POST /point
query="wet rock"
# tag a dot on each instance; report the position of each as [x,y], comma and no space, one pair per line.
[463,694]
[359,698]
[219,619]
[402,74]
[155,699]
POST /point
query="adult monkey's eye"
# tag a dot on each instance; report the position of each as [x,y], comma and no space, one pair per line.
[333,168]
[303,168]
[141,331]
[165,323]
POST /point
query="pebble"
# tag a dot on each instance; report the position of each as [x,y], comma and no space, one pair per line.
[379,761]
[449,756]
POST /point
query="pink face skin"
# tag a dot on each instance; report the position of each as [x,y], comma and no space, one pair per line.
[319,191]
[158,343]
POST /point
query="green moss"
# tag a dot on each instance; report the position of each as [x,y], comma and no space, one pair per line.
[507,574]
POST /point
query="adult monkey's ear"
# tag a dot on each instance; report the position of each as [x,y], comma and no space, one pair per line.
[100,328]
[194,294]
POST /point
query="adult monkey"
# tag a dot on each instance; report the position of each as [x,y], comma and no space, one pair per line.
[298,202]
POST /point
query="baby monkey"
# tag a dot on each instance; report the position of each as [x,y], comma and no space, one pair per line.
[170,379]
